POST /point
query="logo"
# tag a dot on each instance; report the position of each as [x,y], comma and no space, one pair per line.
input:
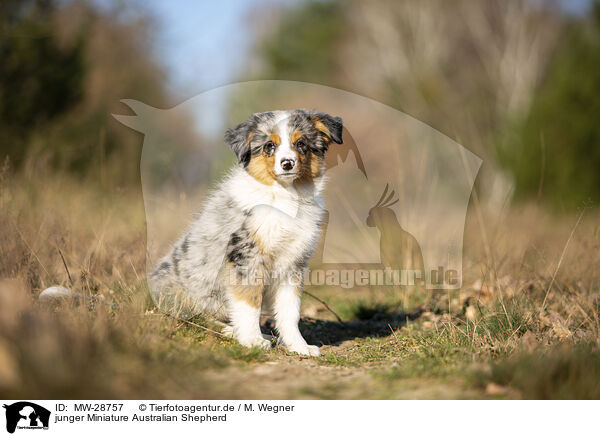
[26,415]
[394,205]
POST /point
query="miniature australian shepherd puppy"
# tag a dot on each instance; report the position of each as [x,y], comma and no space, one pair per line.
[251,243]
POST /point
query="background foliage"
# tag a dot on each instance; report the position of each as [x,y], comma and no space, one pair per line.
[516,82]
[498,80]
[65,66]
[561,133]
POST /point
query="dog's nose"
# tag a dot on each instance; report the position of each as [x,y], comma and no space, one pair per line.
[287,164]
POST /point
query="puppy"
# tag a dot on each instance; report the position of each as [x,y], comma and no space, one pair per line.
[251,243]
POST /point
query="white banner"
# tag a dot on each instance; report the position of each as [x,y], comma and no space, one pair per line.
[298,417]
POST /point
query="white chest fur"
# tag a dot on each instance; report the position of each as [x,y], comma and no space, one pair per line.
[283,223]
[287,225]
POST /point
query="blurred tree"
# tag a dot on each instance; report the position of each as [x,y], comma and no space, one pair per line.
[465,68]
[561,135]
[65,67]
[302,45]
[39,78]
[463,77]
[119,64]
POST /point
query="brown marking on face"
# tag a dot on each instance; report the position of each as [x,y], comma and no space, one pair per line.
[275,138]
[311,167]
[316,166]
[262,168]
[296,135]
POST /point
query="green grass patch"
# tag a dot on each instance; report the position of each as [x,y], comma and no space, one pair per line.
[505,321]
[243,354]
[564,372]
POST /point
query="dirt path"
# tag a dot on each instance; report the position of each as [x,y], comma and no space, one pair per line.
[293,377]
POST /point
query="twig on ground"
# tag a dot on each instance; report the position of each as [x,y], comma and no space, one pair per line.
[65,264]
[326,306]
[204,328]
[393,332]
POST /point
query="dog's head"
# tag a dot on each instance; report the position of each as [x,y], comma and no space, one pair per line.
[285,146]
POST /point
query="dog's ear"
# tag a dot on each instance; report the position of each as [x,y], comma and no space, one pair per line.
[329,126]
[238,139]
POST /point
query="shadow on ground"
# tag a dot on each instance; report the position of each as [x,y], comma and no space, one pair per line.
[322,332]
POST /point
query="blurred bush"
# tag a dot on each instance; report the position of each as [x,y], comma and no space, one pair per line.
[65,66]
[40,78]
[515,82]
[463,77]
[555,151]
[498,79]
[303,46]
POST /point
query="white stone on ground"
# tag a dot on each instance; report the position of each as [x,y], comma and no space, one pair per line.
[54,293]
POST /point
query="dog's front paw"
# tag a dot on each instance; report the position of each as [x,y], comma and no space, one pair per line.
[256,342]
[305,349]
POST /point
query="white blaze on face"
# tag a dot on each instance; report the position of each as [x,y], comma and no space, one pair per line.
[285,150]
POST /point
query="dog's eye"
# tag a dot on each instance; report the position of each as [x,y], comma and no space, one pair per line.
[301,146]
[269,148]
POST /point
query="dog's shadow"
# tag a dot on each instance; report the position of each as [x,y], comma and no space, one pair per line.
[323,332]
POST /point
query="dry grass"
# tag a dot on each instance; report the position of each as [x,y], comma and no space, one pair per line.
[525,325]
